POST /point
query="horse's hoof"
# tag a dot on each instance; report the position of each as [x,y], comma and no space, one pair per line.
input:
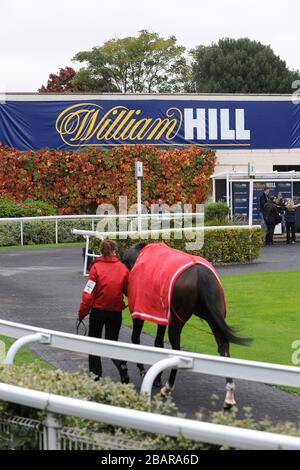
[165,392]
[228,404]
[157,383]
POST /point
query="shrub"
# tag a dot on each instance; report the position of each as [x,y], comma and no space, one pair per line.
[82,386]
[28,208]
[220,246]
[40,232]
[217,212]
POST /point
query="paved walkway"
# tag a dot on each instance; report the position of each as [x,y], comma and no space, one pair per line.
[42,287]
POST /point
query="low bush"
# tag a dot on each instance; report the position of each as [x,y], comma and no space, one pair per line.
[27,208]
[220,245]
[40,232]
[82,386]
[217,212]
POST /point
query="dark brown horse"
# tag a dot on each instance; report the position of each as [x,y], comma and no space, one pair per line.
[198,292]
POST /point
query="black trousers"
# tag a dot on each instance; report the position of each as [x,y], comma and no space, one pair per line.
[112,322]
[290,230]
[270,234]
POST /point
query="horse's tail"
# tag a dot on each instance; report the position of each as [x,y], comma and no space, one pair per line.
[213,306]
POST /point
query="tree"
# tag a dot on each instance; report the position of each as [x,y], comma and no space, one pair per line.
[239,66]
[60,82]
[143,64]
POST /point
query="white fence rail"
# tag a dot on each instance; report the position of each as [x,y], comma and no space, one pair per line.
[197,363]
[143,421]
[93,217]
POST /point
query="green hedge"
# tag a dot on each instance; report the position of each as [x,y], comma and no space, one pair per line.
[220,246]
[28,208]
[40,232]
[79,385]
[216,211]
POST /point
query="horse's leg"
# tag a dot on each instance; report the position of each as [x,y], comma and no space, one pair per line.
[136,339]
[223,349]
[159,343]
[229,401]
[174,333]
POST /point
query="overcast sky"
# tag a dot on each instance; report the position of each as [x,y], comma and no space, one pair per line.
[38,37]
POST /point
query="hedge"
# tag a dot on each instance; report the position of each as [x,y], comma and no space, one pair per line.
[82,386]
[220,245]
[76,182]
[28,208]
[41,232]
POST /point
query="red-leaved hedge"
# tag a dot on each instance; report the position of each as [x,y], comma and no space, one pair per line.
[75,181]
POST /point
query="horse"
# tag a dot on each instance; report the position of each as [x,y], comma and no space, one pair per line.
[196,291]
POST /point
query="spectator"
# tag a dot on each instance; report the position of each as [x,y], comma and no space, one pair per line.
[272,218]
[290,221]
[159,207]
[262,201]
[280,203]
[102,298]
[146,209]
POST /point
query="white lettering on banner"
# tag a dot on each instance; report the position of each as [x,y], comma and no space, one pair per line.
[89,287]
[212,124]
[191,123]
[241,132]
[207,126]
[226,132]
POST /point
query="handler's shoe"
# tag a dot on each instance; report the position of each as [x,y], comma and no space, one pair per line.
[124,374]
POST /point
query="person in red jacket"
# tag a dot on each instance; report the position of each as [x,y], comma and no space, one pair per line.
[102,298]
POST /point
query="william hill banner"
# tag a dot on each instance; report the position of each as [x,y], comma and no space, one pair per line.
[224,122]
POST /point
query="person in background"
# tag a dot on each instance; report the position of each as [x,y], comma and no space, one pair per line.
[102,299]
[146,209]
[262,201]
[159,206]
[280,203]
[290,221]
[272,218]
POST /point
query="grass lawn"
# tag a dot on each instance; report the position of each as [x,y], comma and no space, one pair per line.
[24,356]
[263,306]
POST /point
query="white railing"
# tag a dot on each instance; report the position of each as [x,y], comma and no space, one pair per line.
[92,217]
[143,421]
[197,363]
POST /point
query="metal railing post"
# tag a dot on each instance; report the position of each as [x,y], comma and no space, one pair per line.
[56,231]
[22,233]
[159,367]
[17,345]
[51,427]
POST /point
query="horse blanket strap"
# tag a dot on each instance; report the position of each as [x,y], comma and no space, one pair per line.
[152,279]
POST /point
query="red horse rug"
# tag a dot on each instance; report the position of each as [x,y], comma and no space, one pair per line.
[152,279]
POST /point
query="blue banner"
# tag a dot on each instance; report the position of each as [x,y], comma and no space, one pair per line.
[213,123]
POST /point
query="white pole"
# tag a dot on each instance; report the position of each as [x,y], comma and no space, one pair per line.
[139,202]
[250,203]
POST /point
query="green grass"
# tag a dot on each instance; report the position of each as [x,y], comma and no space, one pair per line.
[46,245]
[263,306]
[24,356]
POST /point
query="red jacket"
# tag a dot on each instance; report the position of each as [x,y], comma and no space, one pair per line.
[105,287]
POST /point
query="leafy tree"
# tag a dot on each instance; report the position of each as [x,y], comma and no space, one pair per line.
[146,63]
[61,82]
[239,66]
